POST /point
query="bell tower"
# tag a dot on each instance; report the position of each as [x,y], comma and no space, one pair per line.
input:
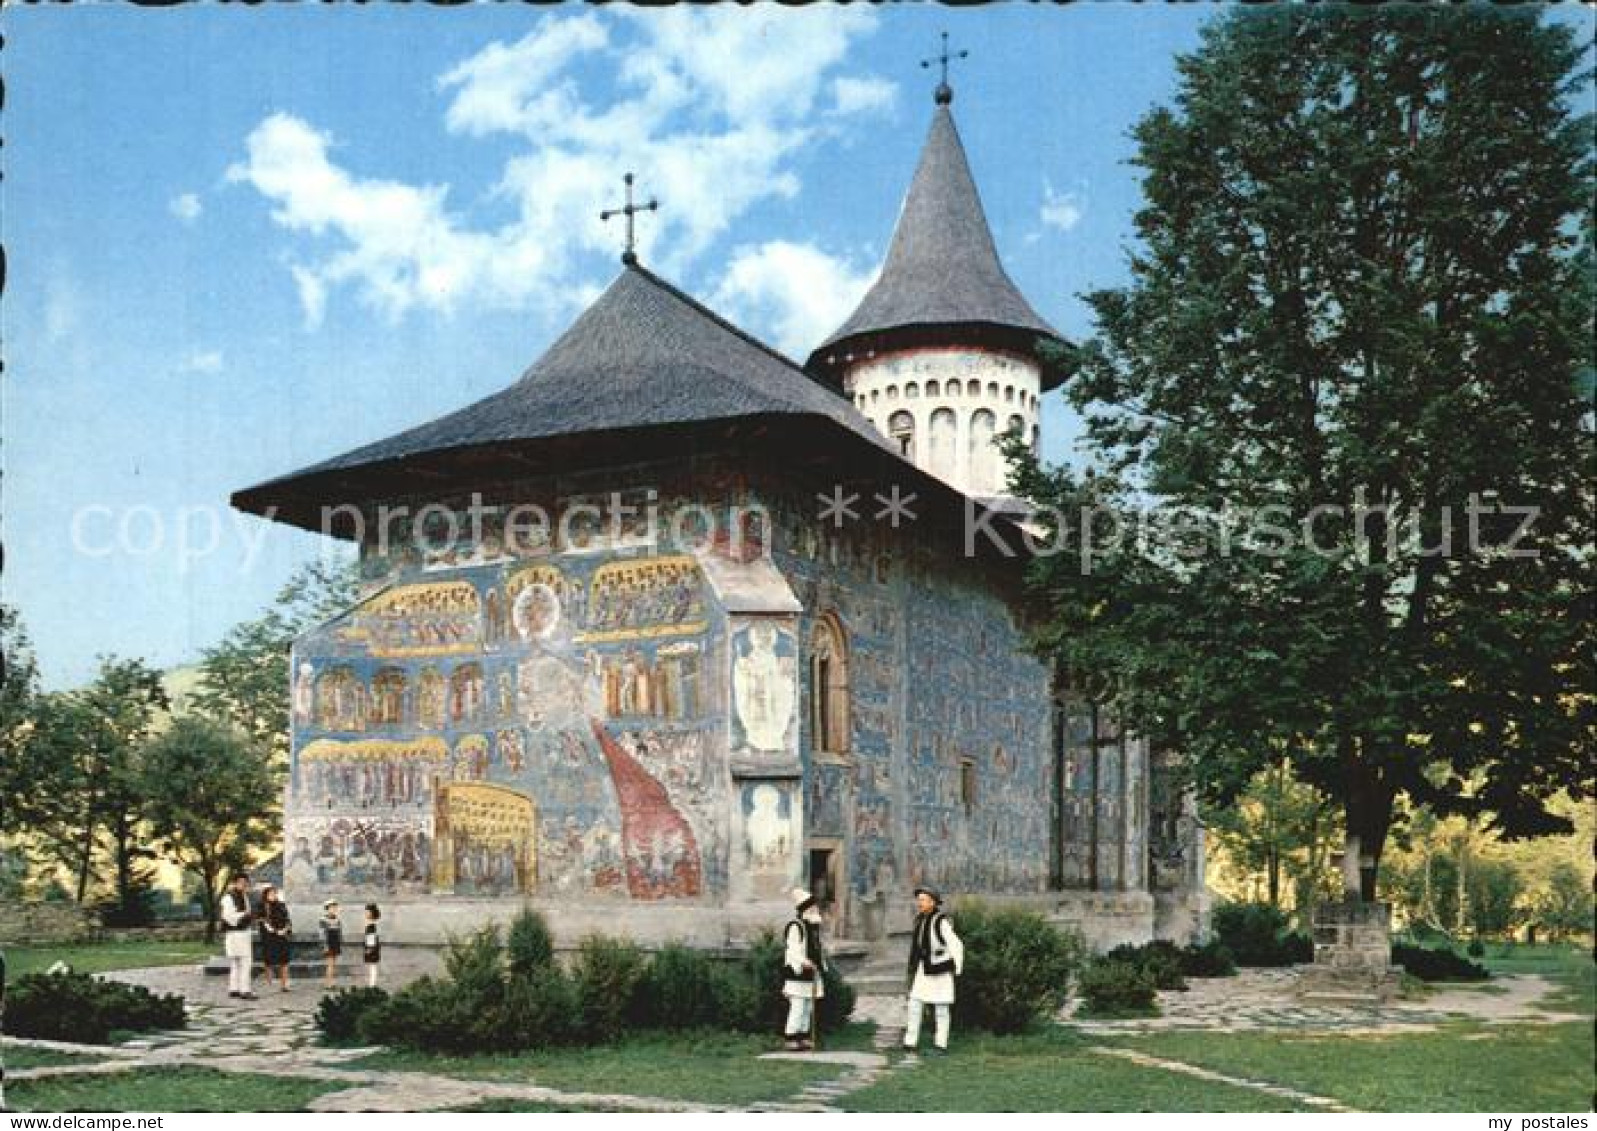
[942,353]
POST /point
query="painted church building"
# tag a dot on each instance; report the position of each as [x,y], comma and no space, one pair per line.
[673,624]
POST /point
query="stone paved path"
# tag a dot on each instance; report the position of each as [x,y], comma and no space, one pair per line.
[276,1036]
[1263,999]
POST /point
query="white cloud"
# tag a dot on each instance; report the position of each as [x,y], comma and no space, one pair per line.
[792,293]
[202,361]
[710,108]
[1062,210]
[186,207]
[862,95]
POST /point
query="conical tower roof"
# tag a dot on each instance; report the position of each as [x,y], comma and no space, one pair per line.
[943,281]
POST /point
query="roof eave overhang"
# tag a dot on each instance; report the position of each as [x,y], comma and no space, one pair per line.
[327,502]
[831,360]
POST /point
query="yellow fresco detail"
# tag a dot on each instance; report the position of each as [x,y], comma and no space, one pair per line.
[436,618]
[645,599]
[375,750]
[484,816]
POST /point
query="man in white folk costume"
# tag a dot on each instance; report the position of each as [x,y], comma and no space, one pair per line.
[803,962]
[936,956]
[238,923]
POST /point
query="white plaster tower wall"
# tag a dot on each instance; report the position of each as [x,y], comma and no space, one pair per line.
[946,408]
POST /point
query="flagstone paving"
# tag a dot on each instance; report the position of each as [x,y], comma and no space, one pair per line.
[275,1035]
[1263,999]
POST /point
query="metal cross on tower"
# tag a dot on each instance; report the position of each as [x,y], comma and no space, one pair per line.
[945,93]
[630,255]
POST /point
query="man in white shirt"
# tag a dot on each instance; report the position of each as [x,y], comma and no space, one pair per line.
[936,955]
[238,933]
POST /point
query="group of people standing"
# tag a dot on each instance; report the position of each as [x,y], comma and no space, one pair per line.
[243,919]
[936,957]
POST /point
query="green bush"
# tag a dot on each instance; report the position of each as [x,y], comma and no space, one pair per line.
[1111,988]
[338,1014]
[529,947]
[540,1011]
[1212,959]
[427,1015]
[462,1012]
[1017,968]
[837,1004]
[1160,958]
[681,988]
[752,997]
[1256,934]
[607,972]
[1439,964]
[67,1006]
[1476,949]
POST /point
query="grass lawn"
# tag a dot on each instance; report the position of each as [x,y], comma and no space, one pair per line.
[21,1056]
[1047,1071]
[172,1089]
[1569,967]
[1464,1066]
[97,958]
[715,1068]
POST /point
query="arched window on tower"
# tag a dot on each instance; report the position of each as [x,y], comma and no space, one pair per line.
[983,452]
[941,439]
[933,389]
[901,427]
[829,712]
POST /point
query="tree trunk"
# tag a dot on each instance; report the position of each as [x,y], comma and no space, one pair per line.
[1369,819]
[1272,865]
[85,858]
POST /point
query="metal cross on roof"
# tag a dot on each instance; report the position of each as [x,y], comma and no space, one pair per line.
[630,255]
[945,93]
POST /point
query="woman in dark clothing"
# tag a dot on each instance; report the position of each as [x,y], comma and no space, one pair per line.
[276,934]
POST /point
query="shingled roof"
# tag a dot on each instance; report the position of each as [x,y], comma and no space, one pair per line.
[942,278]
[643,356]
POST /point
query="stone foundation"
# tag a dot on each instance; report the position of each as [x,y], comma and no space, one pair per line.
[1352,955]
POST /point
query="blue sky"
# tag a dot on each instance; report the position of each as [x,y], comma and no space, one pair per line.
[242,240]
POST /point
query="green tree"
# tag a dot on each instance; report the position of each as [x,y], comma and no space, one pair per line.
[1280,828]
[1565,907]
[245,676]
[211,798]
[114,716]
[1363,283]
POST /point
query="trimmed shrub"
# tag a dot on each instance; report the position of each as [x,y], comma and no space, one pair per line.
[681,988]
[1256,934]
[428,1015]
[1160,958]
[1017,968]
[460,1013]
[837,1002]
[752,998]
[67,1006]
[1438,964]
[529,947]
[1212,959]
[607,972]
[540,1011]
[1111,987]
[338,1014]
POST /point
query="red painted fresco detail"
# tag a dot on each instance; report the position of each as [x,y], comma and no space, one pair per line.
[662,856]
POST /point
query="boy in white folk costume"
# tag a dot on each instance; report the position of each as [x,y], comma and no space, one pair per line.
[238,921]
[936,956]
[803,961]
